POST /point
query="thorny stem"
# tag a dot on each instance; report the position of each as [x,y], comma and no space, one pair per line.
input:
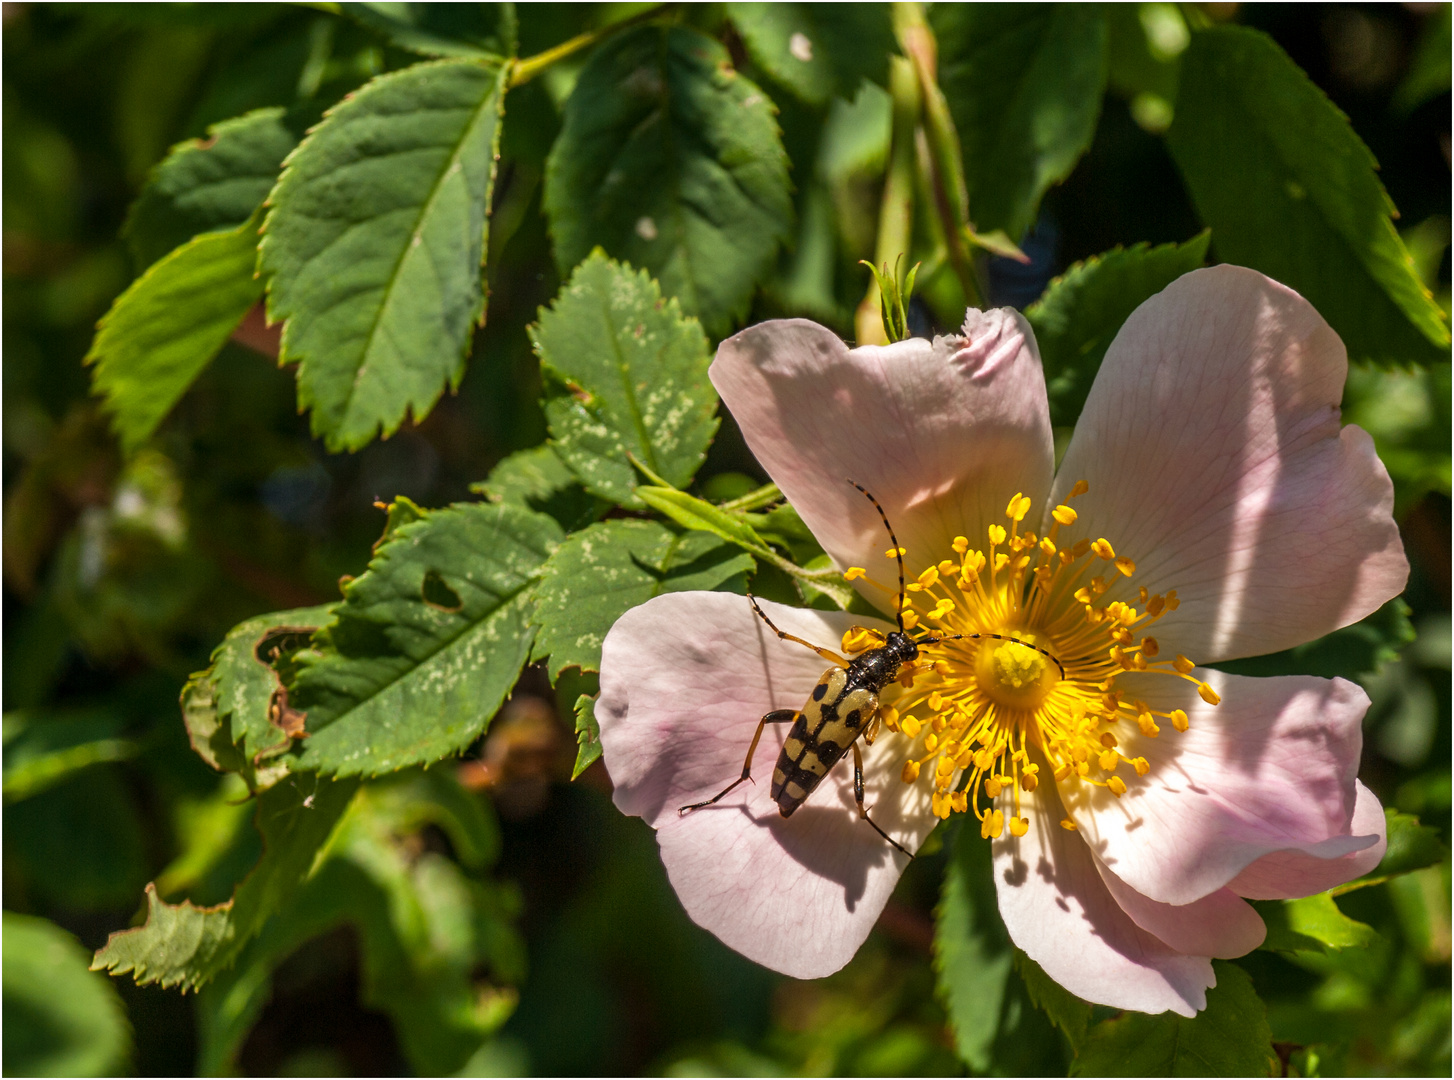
[527,69]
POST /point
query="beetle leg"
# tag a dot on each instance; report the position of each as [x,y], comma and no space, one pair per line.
[777,716]
[871,732]
[863,810]
[826,654]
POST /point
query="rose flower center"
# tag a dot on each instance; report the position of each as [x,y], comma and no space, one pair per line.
[1019,657]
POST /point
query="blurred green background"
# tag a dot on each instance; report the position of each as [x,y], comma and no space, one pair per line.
[121,576]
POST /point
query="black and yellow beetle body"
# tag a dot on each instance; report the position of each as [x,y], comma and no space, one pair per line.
[843,706]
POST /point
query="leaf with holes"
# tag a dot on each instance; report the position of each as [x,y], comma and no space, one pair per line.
[1024,85]
[168,325]
[374,243]
[817,50]
[426,643]
[206,185]
[626,374]
[184,945]
[1082,310]
[235,709]
[428,927]
[1229,1038]
[672,161]
[602,572]
[1289,189]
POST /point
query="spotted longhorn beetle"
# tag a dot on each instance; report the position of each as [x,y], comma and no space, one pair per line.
[843,705]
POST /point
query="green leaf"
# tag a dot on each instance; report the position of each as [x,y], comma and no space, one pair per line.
[972,951]
[183,945]
[526,476]
[539,479]
[1229,1038]
[1351,652]
[427,926]
[694,513]
[1024,85]
[229,708]
[60,1019]
[426,643]
[1411,846]
[817,50]
[1066,1011]
[1288,189]
[467,30]
[602,572]
[211,184]
[374,243]
[1081,311]
[672,161]
[627,375]
[588,735]
[41,752]
[1311,924]
[169,324]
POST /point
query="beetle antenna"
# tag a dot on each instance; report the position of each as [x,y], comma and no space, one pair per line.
[998,637]
[898,552]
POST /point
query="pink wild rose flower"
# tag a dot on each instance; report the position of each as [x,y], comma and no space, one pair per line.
[1209,506]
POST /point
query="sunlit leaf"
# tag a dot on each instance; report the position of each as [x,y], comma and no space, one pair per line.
[672,161]
[1411,846]
[209,185]
[602,572]
[626,374]
[60,1019]
[426,643]
[1288,189]
[1311,923]
[1080,312]
[374,243]
[184,945]
[169,324]
[817,50]
[1228,1038]
[1024,85]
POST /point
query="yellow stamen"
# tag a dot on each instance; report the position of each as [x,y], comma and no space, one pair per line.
[1024,675]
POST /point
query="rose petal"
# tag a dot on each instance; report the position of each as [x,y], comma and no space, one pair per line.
[685,679]
[1287,874]
[1272,768]
[1221,924]
[1211,445]
[1057,908]
[943,434]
